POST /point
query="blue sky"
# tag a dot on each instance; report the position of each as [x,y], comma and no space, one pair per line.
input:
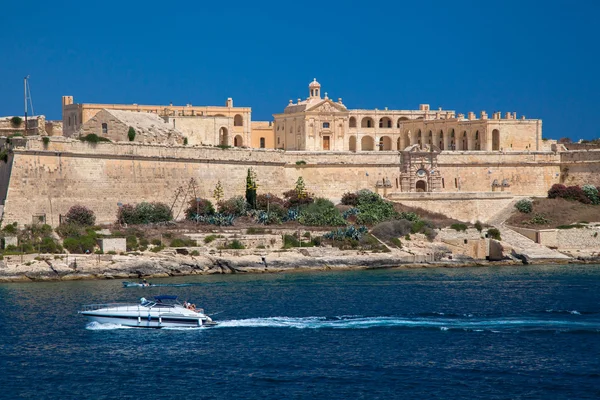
[538,58]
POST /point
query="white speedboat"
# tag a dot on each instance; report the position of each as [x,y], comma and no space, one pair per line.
[137,284]
[162,312]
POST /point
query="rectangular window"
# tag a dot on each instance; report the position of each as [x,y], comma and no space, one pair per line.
[262,142]
[325,125]
[104,128]
[443,184]
[456,183]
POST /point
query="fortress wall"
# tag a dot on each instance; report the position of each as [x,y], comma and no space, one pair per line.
[527,173]
[100,176]
[581,167]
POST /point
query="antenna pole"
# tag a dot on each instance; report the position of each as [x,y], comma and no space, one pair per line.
[25,99]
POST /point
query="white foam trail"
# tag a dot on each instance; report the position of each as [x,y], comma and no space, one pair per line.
[97,326]
[479,324]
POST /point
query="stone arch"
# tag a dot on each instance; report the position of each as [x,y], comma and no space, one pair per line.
[385,143]
[421,186]
[352,122]
[367,143]
[238,141]
[352,143]
[441,139]
[400,121]
[385,122]
[464,141]
[419,138]
[430,138]
[223,136]
[452,144]
[496,139]
[238,120]
[399,144]
[477,141]
[367,122]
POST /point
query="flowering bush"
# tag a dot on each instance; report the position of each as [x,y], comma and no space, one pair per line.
[350,199]
[199,206]
[80,215]
[557,190]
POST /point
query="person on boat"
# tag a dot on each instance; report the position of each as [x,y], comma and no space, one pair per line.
[145,283]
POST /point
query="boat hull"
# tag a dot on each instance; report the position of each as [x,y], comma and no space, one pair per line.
[148,322]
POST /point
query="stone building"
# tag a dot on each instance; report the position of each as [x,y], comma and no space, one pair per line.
[114,125]
[319,123]
[238,133]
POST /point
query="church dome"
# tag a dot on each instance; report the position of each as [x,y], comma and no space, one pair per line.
[314,84]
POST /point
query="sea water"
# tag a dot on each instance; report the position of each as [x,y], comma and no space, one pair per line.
[494,332]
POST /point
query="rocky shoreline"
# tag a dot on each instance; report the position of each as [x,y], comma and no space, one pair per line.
[167,264]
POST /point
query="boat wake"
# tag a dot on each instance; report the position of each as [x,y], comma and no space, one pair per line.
[97,326]
[443,323]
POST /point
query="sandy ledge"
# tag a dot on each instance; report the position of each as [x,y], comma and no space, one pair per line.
[150,265]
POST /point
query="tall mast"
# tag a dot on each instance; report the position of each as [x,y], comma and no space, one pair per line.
[25,99]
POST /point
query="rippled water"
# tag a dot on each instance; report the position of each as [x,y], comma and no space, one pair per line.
[506,332]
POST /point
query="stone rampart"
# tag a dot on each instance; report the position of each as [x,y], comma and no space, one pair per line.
[49,179]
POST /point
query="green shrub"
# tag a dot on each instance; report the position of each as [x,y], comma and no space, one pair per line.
[185,141]
[301,162]
[210,238]
[572,226]
[539,219]
[321,213]
[459,227]
[524,206]
[80,215]
[4,155]
[236,206]
[70,230]
[131,243]
[396,242]
[46,141]
[156,242]
[290,241]
[182,242]
[49,245]
[373,209]
[79,245]
[493,233]
[10,229]
[195,253]
[144,213]
[93,138]
[131,134]
[591,193]
[156,249]
[234,245]
[16,122]
[478,225]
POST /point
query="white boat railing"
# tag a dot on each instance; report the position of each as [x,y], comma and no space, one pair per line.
[125,307]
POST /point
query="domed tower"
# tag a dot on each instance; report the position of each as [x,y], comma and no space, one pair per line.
[314,89]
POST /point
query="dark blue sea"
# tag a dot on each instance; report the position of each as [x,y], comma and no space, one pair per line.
[527,332]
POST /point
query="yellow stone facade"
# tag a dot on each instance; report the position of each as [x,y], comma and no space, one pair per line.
[321,124]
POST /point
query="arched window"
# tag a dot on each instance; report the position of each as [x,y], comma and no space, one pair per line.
[238,120]
[104,128]
[352,122]
[262,142]
[367,123]
[385,122]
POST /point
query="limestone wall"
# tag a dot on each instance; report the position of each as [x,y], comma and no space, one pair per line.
[50,179]
[580,167]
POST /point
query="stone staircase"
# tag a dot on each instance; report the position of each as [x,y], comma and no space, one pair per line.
[526,249]
[523,247]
